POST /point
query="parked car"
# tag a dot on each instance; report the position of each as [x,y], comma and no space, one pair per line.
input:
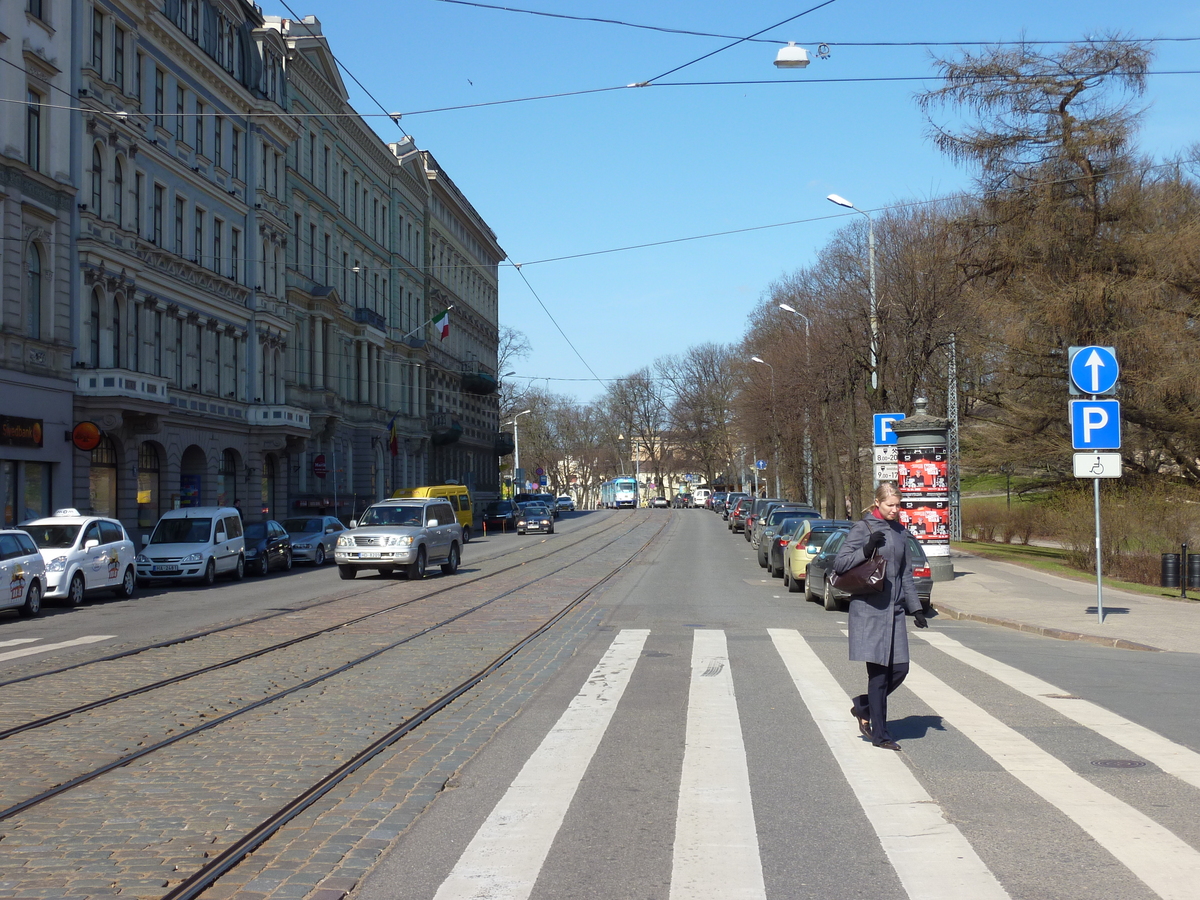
[407,534]
[565,504]
[731,500]
[772,514]
[84,554]
[805,543]
[501,515]
[313,537]
[681,501]
[195,543]
[737,518]
[660,503]
[816,580]
[700,497]
[778,530]
[717,501]
[535,516]
[757,506]
[22,573]
[268,546]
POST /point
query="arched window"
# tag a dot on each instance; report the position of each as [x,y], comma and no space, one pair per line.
[149,487]
[33,290]
[102,478]
[117,333]
[119,194]
[97,178]
[94,331]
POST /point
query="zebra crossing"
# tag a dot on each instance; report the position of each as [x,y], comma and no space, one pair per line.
[716,850]
[47,648]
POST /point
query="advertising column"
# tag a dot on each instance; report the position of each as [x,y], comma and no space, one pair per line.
[922,474]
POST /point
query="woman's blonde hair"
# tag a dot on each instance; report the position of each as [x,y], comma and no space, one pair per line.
[885,490]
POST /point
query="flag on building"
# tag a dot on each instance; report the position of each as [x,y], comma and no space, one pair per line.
[441,323]
[393,437]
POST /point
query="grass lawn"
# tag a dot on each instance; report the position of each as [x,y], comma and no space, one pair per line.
[1050,559]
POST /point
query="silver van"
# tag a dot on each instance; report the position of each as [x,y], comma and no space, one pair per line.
[196,543]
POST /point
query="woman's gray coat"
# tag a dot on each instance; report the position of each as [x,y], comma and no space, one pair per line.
[877,631]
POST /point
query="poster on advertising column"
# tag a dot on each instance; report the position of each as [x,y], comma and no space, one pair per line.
[922,475]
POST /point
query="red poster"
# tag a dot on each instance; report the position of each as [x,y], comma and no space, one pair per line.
[922,470]
[928,519]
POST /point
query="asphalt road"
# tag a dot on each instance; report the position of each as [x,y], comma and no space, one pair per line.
[739,773]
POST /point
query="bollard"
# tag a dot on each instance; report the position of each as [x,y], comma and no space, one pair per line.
[1170,570]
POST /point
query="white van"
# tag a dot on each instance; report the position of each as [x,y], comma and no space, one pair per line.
[700,497]
[197,543]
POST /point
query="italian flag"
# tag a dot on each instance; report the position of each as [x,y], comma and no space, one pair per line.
[441,323]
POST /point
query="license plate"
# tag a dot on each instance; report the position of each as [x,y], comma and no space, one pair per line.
[165,570]
[369,554]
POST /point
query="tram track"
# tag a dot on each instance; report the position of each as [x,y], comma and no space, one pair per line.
[125,760]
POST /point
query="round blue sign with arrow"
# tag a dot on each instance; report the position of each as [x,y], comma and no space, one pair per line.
[1094,370]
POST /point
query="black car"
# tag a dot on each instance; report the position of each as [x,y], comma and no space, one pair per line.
[268,546]
[501,515]
[816,580]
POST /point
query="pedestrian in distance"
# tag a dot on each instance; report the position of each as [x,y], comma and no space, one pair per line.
[878,635]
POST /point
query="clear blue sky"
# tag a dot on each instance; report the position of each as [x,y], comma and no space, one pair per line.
[578,174]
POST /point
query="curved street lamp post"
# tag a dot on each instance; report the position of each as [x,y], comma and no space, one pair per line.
[774,430]
[808,466]
[874,316]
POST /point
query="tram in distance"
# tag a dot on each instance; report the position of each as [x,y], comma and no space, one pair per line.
[618,493]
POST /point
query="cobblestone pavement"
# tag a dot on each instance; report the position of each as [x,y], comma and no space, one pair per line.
[139,829]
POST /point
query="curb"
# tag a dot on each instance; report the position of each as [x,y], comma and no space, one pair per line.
[1043,630]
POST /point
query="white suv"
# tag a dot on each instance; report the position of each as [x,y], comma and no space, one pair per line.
[84,554]
[406,534]
[22,573]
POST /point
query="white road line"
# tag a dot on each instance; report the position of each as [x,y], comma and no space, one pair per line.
[16,641]
[716,843]
[1167,865]
[45,648]
[504,858]
[1172,758]
[932,858]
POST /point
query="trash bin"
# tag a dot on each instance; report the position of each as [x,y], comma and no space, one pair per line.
[1170,568]
[1193,571]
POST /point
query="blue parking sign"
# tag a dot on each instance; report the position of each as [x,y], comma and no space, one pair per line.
[1096,424]
[883,427]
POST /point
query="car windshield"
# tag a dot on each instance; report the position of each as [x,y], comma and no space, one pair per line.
[391,515]
[301,526]
[256,531]
[54,537]
[182,531]
[817,538]
[498,507]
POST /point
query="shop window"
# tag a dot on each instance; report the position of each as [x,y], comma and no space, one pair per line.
[149,487]
[102,479]
[227,493]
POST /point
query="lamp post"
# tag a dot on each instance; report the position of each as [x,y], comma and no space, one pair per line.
[517,448]
[774,430]
[808,466]
[874,317]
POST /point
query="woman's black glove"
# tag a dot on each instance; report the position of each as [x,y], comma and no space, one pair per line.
[919,619]
[874,542]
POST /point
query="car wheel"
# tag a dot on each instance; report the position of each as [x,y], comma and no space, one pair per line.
[128,584]
[264,564]
[33,601]
[809,596]
[467,535]
[239,571]
[347,573]
[831,603]
[794,585]
[75,591]
[776,571]
[762,559]
[450,566]
[210,573]
[287,560]
[319,556]
[416,570]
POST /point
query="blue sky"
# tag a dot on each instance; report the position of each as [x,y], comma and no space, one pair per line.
[579,174]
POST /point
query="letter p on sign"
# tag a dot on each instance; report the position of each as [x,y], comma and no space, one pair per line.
[1096,424]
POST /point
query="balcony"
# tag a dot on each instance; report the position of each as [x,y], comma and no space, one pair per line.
[365,316]
[504,443]
[443,429]
[121,383]
[278,417]
[478,379]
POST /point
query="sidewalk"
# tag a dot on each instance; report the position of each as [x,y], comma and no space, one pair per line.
[1015,597]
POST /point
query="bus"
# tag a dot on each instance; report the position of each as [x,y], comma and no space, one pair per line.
[619,492]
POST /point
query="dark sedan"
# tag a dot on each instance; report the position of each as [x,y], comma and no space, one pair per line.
[737,517]
[816,580]
[268,546]
[501,515]
[535,517]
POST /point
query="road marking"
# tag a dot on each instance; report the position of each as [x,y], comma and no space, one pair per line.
[931,857]
[1167,865]
[504,858]
[16,641]
[46,648]
[1172,758]
[716,843]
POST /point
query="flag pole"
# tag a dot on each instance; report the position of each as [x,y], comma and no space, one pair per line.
[426,322]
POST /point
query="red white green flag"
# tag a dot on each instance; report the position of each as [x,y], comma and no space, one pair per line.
[441,323]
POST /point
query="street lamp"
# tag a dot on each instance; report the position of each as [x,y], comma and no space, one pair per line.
[808,466]
[842,201]
[517,447]
[774,430]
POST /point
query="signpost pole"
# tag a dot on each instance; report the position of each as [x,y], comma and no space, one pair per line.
[1099,579]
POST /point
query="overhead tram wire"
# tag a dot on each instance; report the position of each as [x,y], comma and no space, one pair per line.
[570,343]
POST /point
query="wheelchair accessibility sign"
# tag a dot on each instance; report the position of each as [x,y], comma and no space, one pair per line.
[1097,465]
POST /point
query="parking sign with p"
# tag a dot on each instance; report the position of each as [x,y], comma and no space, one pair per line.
[1096,424]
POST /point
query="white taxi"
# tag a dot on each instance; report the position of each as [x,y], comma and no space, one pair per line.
[84,554]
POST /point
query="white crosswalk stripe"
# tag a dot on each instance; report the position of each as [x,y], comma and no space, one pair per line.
[61,645]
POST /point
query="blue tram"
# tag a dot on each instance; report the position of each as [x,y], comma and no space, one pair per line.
[619,492]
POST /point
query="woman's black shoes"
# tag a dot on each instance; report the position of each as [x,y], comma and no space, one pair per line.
[888,745]
[864,725]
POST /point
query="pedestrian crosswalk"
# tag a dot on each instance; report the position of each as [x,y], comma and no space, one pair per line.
[717,852]
[47,648]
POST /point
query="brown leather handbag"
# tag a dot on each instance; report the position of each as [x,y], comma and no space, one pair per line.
[865,578]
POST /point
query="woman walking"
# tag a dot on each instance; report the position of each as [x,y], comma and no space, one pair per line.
[878,635]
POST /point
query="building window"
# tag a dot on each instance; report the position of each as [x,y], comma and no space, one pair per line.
[312,156]
[217,143]
[97,179]
[94,331]
[137,203]
[137,74]
[218,262]
[98,41]
[117,334]
[199,128]
[119,194]
[148,487]
[158,342]
[179,98]
[235,162]
[33,130]
[33,291]
[102,478]
[160,99]
[325,173]
[235,250]
[179,226]
[119,58]
[35,8]
[157,235]
[135,336]
[312,252]
[198,243]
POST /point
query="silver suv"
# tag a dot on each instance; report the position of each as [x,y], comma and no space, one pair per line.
[409,533]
